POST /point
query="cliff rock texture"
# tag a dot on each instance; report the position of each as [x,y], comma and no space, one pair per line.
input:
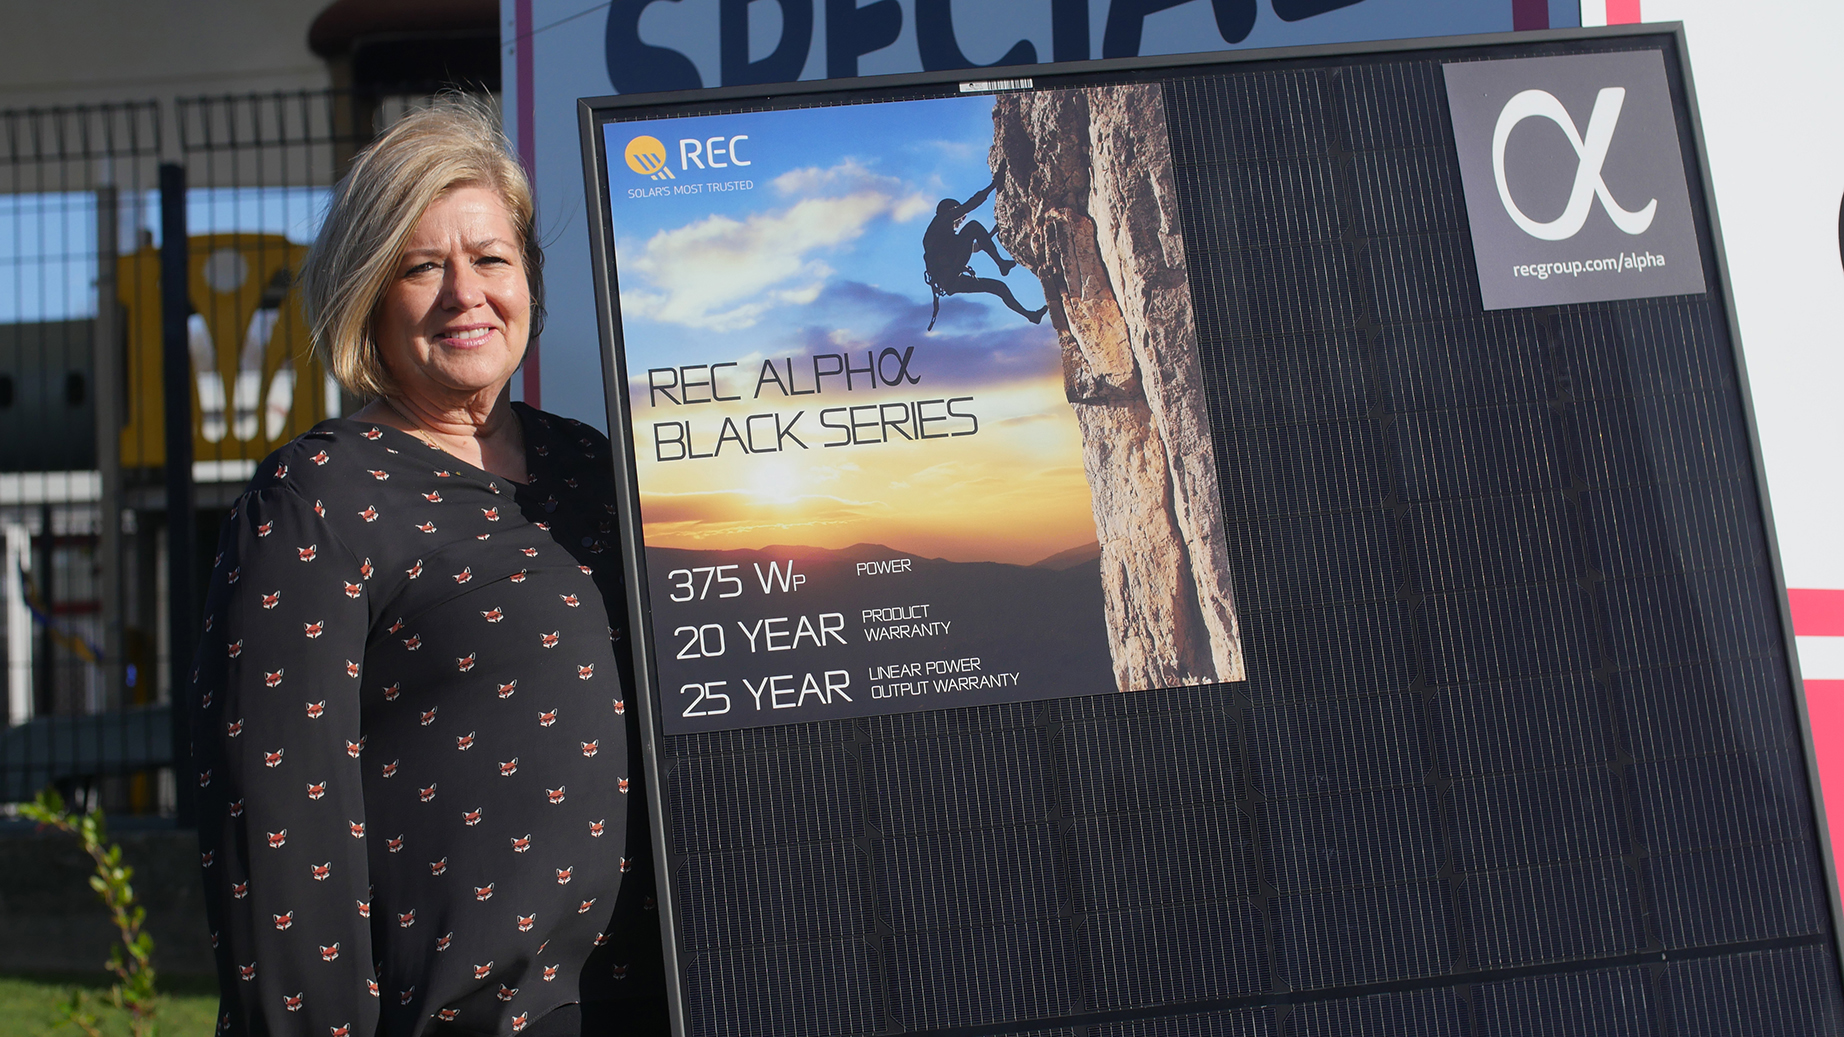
[1087,203]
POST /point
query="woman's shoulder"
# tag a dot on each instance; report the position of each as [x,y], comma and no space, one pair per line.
[554,431]
[321,460]
[556,423]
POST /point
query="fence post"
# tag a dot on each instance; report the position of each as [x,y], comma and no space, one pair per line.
[176,373]
[106,385]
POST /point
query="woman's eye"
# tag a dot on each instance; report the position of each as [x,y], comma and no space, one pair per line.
[420,268]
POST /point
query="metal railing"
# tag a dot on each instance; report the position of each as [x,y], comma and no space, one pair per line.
[74,187]
[103,541]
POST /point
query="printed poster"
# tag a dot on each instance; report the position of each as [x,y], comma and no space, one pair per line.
[917,416]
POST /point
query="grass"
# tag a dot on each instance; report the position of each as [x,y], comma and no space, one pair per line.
[29,1005]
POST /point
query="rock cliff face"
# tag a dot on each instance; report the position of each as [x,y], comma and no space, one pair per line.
[1087,203]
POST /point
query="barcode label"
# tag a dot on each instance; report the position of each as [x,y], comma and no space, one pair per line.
[985,86]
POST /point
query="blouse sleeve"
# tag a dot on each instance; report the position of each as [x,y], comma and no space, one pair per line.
[277,743]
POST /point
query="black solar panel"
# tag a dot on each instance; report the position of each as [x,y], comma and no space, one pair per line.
[1518,749]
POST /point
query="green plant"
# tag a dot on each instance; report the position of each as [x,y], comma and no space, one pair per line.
[131,961]
[76,1013]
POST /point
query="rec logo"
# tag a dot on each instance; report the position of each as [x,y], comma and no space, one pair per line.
[1574,179]
[646,155]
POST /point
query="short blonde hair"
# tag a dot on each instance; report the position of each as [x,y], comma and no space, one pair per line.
[454,142]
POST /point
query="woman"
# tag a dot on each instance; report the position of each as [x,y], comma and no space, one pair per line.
[420,804]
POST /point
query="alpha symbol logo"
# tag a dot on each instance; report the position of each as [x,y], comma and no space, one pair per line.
[1590,154]
[647,156]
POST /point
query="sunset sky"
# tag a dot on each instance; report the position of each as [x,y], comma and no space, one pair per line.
[821,254]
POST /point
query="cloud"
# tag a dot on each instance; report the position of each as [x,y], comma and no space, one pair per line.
[826,473]
[853,177]
[848,176]
[911,206]
[723,274]
[1024,419]
[962,150]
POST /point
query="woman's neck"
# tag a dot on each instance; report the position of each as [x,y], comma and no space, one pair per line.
[488,437]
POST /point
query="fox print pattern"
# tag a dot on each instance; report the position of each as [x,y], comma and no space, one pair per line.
[326,592]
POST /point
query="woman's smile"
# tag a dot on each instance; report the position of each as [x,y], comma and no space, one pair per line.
[464,337]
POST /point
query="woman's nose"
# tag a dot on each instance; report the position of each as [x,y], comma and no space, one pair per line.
[462,288]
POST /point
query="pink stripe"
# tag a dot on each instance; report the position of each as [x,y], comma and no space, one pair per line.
[1622,12]
[527,138]
[1825,708]
[1817,613]
[532,384]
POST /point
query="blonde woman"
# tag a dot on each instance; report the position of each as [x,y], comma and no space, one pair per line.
[420,802]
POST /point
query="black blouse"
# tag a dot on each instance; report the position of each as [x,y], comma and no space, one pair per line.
[419,773]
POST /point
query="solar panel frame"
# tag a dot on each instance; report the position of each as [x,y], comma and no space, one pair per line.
[1394,201]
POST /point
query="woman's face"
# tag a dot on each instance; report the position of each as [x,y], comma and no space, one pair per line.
[456,315]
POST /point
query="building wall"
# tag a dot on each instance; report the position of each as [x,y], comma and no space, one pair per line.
[97,51]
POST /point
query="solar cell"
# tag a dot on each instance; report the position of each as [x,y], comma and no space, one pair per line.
[1219,1024]
[987,974]
[1370,934]
[1614,1002]
[1434,1013]
[1188,855]
[1772,993]
[1532,724]
[1736,894]
[1686,710]
[824,987]
[779,894]
[1354,839]
[1165,955]
[1150,762]
[1553,913]
[1316,378]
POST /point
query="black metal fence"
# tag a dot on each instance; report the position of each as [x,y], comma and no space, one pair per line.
[74,186]
[108,516]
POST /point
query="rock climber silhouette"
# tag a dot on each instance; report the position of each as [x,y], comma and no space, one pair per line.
[948,246]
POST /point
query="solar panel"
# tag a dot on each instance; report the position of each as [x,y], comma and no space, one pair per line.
[1516,745]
